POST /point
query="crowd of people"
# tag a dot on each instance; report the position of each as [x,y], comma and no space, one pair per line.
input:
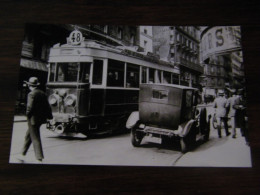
[231,106]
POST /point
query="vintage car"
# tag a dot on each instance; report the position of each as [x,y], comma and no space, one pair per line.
[169,111]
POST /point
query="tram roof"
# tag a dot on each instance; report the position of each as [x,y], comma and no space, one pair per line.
[123,50]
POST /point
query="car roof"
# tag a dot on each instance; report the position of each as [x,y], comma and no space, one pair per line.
[170,85]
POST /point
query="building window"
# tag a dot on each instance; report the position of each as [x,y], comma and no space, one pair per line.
[212,69]
[145,45]
[145,31]
[106,29]
[178,37]
[218,70]
[119,33]
[132,39]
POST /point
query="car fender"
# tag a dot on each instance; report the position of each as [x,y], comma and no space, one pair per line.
[132,119]
[185,128]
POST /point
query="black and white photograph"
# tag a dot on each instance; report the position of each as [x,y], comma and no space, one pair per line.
[119,95]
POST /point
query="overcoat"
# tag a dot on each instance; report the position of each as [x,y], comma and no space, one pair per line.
[38,109]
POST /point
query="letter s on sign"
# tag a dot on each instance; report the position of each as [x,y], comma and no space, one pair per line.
[219,37]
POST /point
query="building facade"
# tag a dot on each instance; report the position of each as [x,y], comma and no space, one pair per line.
[146,38]
[109,34]
[222,58]
[180,46]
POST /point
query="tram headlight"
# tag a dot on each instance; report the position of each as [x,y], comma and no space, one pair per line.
[53,99]
[70,100]
[62,93]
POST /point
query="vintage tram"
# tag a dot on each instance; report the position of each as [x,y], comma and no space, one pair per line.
[93,87]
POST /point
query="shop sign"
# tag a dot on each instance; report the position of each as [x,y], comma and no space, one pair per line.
[220,40]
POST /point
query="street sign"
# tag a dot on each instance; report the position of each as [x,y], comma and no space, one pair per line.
[75,37]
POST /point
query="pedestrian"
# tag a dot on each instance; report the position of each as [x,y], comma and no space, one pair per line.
[38,111]
[241,116]
[220,103]
[233,103]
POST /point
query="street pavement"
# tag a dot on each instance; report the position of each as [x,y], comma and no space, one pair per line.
[117,150]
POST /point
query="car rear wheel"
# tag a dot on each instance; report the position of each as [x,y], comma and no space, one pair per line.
[136,137]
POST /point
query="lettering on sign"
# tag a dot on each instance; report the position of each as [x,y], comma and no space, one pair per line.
[76,37]
[218,40]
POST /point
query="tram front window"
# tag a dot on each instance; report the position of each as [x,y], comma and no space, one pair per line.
[67,72]
[84,72]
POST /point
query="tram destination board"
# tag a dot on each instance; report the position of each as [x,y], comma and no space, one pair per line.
[131,96]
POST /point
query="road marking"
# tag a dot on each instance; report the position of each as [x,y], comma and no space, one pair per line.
[177,159]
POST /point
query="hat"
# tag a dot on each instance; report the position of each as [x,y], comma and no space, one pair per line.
[220,92]
[33,81]
[232,91]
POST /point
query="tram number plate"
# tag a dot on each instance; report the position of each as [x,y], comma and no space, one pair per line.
[156,140]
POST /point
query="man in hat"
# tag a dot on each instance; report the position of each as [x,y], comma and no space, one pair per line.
[38,111]
[220,104]
[233,104]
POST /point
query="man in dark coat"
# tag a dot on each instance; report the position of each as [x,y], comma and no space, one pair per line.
[38,111]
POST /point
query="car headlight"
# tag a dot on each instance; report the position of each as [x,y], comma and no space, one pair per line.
[53,99]
[70,100]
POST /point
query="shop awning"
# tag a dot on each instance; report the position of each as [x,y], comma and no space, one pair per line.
[32,64]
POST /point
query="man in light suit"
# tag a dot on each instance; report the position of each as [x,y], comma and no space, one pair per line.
[38,111]
[233,103]
[220,104]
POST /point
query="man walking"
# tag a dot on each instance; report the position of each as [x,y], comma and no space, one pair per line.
[38,111]
[220,104]
[233,103]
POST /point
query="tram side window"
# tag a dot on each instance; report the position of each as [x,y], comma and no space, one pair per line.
[132,76]
[97,72]
[166,77]
[84,72]
[51,72]
[151,75]
[67,72]
[115,73]
[144,75]
[175,79]
[158,76]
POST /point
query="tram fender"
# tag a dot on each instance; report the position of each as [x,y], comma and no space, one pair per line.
[132,119]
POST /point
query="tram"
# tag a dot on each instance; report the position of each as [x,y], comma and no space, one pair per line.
[93,87]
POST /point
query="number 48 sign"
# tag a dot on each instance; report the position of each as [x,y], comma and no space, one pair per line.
[75,37]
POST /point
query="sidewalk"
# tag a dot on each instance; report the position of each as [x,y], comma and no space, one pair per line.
[219,152]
